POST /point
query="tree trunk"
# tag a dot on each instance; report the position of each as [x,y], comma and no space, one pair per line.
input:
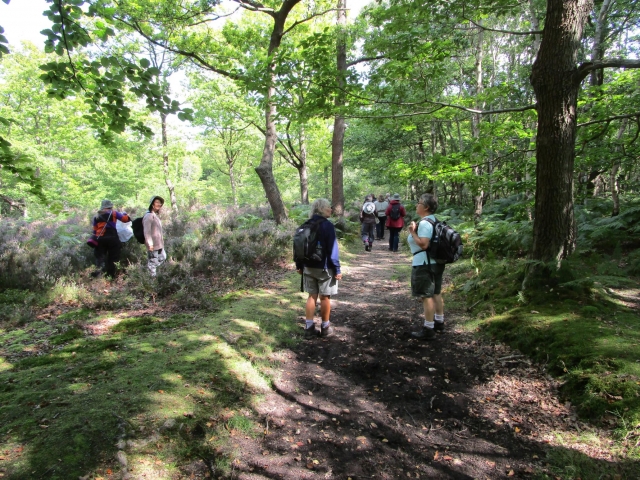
[615,181]
[302,171]
[339,124]
[265,168]
[597,51]
[555,81]
[232,180]
[165,164]
[478,199]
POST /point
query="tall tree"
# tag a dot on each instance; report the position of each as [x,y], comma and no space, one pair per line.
[556,78]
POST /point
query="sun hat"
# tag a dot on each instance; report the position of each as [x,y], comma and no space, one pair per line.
[368,207]
[106,204]
[153,199]
[396,196]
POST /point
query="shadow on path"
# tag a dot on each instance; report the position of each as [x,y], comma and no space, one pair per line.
[370,402]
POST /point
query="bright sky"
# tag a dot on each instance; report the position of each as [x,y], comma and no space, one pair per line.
[23,20]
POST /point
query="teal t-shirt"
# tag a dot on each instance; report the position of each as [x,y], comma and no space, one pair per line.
[425,230]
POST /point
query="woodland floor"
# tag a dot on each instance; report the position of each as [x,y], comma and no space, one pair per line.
[370,402]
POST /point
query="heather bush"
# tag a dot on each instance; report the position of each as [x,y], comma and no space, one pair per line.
[209,250]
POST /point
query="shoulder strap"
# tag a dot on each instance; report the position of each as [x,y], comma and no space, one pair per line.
[426,219]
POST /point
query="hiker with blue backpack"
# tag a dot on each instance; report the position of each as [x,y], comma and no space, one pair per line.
[153,237]
[315,247]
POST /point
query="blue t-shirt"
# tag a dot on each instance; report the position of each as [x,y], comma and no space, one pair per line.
[425,230]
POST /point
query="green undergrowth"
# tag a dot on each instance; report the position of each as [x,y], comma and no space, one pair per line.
[164,389]
[576,322]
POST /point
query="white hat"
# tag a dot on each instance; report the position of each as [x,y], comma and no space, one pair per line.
[368,207]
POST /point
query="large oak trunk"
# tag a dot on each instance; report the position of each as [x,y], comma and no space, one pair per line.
[555,80]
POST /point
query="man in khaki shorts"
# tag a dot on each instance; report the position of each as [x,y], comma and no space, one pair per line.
[321,277]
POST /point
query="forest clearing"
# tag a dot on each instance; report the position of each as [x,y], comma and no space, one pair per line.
[211,130]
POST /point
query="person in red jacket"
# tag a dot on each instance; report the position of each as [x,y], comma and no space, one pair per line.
[108,248]
[395,214]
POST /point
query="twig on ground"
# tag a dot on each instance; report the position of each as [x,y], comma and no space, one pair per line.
[413,419]
[509,357]
[472,306]
[431,403]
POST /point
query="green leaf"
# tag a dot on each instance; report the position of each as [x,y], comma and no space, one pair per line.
[144,63]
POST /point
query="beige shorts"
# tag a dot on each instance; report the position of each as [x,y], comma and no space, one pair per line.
[317,280]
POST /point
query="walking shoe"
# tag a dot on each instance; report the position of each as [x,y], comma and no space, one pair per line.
[438,326]
[310,332]
[326,332]
[424,334]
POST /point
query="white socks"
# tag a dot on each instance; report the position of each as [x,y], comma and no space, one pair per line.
[309,323]
[325,324]
[439,318]
[428,324]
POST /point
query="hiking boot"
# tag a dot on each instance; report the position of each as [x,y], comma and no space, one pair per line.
[425,333]
[326,332]
[310,332]
[438,326]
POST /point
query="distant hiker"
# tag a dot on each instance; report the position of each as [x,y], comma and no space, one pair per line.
[426,274]
[108,245]
[153,235]
[395,214]
[321,276]
[368,220]
[381,207]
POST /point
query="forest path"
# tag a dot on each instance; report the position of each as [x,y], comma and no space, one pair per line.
[370,402]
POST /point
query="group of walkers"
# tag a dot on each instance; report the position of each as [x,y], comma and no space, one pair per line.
[375,215]
[320,277]
[108,246]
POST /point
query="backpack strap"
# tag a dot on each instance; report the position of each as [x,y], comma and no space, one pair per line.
[433,224]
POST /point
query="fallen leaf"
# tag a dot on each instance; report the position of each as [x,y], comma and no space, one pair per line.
[435,457]
[385,440]
[511,473]
[447,458]
[160,391]
[517,430]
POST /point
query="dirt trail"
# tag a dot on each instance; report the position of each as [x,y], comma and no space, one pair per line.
[371,402]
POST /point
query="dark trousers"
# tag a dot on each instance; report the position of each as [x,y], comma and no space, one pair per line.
[380,228]
[367,232]
[394,238]
[108,254]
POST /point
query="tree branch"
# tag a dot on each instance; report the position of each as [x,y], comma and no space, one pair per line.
[447,105]
[191,55]
[587,67]
[299,22]
[255,6]
[510,32]
[609,119]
